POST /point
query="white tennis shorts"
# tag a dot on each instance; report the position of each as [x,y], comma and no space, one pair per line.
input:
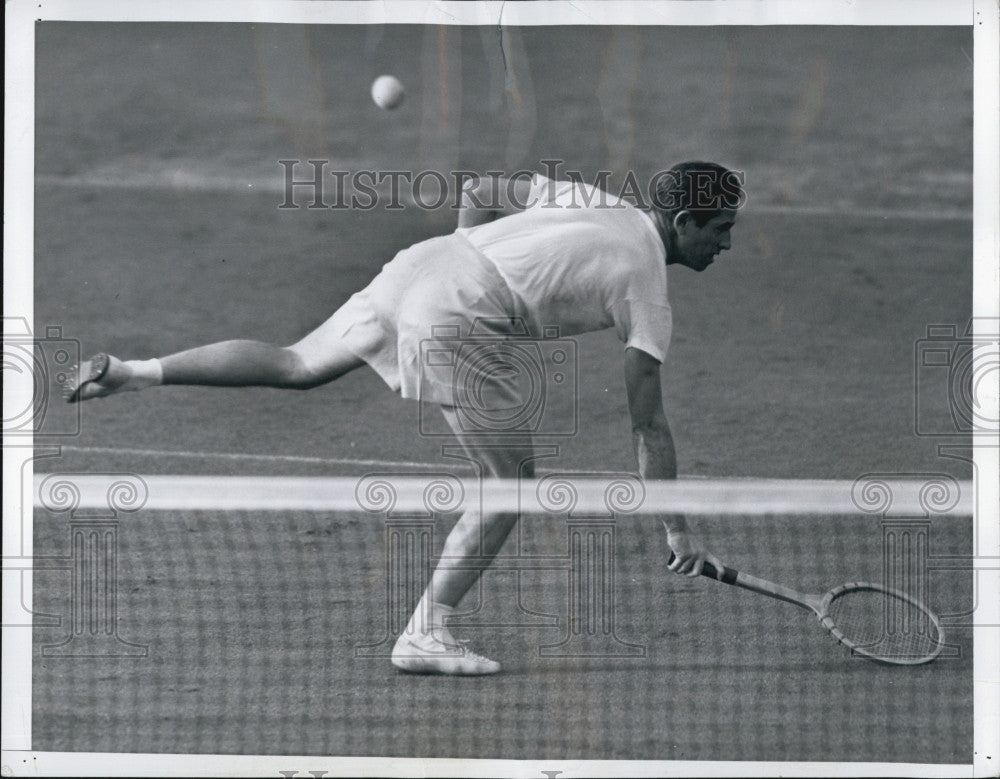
[412,320]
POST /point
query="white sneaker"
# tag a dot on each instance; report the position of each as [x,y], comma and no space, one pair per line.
[424,654]
[97,377]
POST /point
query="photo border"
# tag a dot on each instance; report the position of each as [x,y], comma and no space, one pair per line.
[21,16]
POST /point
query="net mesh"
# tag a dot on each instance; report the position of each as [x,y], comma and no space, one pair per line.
[885,626]
[268,632]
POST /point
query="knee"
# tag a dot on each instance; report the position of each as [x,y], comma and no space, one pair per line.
[296,372]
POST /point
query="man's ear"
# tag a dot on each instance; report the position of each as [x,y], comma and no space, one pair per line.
[683,220]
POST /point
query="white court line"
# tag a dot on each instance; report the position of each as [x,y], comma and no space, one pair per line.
[292,458]
[186,181]
[283,458]
[906,214]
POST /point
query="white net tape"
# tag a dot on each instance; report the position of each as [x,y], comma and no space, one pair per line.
[442,493]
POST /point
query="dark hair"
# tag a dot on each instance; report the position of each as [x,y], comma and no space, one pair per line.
[701,188]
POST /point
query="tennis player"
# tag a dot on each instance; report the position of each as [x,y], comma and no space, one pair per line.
[541,253]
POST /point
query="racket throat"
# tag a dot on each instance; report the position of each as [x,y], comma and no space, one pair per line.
[779,592]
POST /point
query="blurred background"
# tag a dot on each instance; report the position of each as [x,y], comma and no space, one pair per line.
[158,227]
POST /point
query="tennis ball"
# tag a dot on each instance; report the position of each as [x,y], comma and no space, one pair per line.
[388,92]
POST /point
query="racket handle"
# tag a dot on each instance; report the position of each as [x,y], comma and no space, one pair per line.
[707,569]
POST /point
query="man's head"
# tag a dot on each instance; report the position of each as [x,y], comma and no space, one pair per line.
[695,207]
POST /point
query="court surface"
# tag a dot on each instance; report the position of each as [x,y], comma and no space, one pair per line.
[158,228]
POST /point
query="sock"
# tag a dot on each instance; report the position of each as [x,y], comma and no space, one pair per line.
[143,373]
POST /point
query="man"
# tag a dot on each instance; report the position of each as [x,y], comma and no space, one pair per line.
[539,252]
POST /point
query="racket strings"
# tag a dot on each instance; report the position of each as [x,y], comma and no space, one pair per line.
[885,626]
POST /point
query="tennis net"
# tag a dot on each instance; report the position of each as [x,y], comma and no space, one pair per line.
[256,616]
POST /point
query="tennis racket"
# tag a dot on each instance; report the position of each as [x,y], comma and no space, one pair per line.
[872,620]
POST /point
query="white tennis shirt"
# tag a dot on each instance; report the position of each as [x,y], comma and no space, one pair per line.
[582,260]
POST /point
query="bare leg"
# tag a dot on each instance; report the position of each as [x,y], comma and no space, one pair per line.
[258,364]
[477,534]
[318,358]
[426,644]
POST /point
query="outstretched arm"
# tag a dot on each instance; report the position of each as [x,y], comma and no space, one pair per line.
[656,456]
[491,197]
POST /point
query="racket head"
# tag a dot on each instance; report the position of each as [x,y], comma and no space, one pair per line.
[882,623]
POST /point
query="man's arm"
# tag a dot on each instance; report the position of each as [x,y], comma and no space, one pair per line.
[656,456]
[491,197]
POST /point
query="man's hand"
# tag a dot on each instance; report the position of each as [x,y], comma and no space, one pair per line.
[690,555]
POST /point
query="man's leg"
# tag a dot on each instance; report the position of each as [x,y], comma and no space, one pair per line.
[258,364]
[427,645]
[318,358]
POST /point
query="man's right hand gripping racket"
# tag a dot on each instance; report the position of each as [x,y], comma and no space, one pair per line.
[872,620]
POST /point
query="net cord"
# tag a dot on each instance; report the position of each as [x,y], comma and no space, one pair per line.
[443,492]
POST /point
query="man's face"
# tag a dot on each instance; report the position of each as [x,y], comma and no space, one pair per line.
[698,246]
